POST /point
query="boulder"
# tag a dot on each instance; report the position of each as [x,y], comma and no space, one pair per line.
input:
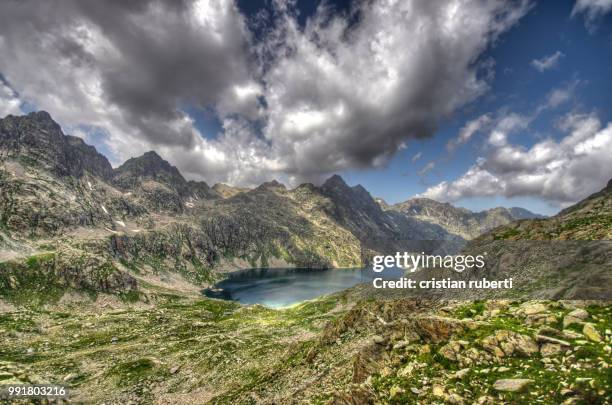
[512,384]
[438,391]
[579,313]
[577,316]
[532,308]
[590,332]
[455,399]
[550,349]
[506,343]
[548,339]
[450,350]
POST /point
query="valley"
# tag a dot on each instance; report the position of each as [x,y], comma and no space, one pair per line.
[102,269]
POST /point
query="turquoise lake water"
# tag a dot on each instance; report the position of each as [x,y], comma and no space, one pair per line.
[277,288]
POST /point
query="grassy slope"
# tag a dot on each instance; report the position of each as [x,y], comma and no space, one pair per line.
[204,348]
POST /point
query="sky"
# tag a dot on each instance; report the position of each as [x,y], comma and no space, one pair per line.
[478,103]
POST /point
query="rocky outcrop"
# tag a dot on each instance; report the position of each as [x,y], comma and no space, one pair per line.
[44,278]
[455,361]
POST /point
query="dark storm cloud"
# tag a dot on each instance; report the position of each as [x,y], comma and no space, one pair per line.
[147,57]
[298,101]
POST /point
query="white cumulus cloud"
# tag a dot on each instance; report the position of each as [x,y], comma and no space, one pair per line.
[558,171]
[547,62]
[592,11]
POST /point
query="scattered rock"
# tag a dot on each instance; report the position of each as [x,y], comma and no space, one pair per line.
[174,369]
[455,399]
[505,342]
[570,334]
[70,377]
[450,350]
[550,349]
[579,313]
[548,339]
[531,308]
[462,373]
[437,328]
[473,356]
[407,370]
[438,391]
[512,384]
[378,339]
[540,319]
[548,331]
[577,316]
[590,332]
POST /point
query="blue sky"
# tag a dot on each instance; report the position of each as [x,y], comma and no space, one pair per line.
[480,104]
[585,66]
[518,87]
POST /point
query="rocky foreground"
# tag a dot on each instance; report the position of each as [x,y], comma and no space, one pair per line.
[332,350]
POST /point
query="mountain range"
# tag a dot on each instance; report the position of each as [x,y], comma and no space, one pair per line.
[101,270]
[63,198]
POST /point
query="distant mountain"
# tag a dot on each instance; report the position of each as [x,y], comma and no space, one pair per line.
[589,219]
[226,191]
[201,190]
[459,221]
[567,256]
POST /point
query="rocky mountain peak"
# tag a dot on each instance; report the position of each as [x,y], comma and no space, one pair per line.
[149,166]
[152,162]
[335,181]
[37,138]
[43,118]
[274,184]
